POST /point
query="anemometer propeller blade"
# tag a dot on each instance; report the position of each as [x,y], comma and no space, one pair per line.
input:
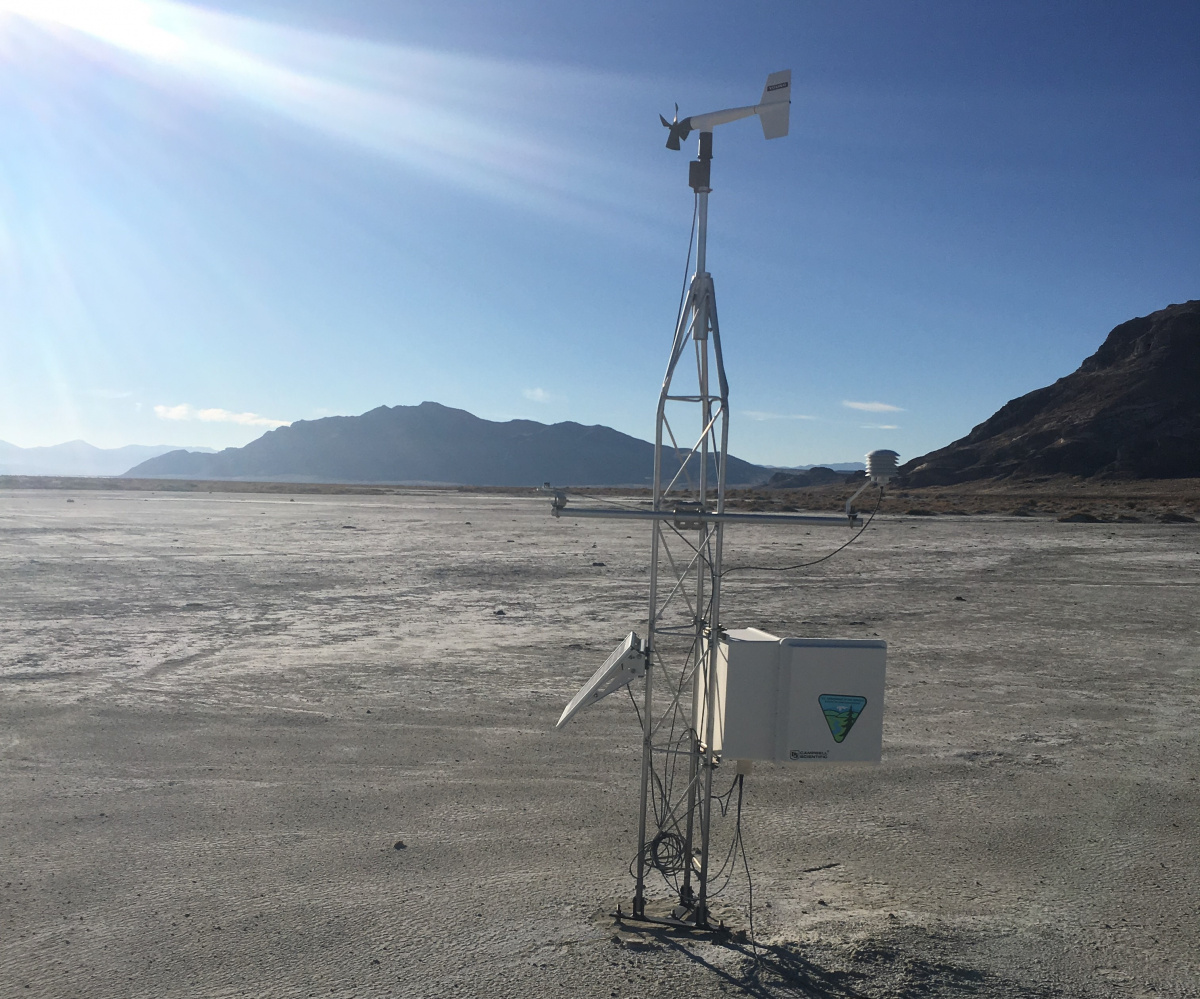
[679,129]
[773,113]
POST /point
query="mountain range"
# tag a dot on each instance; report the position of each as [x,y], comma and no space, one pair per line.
[433,444]
[77,458]
[1131,410]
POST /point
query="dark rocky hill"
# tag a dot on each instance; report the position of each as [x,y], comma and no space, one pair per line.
[1132,410]
[431,443]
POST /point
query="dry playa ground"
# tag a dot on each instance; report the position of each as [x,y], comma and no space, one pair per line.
[273,745]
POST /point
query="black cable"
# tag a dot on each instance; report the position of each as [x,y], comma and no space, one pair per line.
[726,870]
[746,865]
[667,853]
[723,800]
[687,264]
[805,565]
[629,691]
[728,865]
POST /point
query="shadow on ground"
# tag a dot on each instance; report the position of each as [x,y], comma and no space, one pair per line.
[862,971]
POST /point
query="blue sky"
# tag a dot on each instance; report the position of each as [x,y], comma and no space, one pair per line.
[218,217]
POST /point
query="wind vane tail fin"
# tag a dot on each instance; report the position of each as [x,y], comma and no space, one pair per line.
[776,103]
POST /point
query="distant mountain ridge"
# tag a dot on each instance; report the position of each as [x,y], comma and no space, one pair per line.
[817,475]
[833,466]
[1131,410]
[76,458]
[433,444]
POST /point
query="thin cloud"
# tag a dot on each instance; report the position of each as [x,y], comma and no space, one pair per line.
[880,426]
[872,407]
[758,414]
[186,412]
[537,395]
[183,412]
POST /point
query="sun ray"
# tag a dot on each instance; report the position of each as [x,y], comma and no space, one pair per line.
[492,126]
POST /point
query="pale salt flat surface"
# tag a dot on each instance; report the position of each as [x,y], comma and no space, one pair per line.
[218,713]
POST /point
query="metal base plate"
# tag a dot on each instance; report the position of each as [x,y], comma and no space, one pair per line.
[682,917]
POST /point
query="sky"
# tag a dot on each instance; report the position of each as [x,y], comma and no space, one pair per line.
[223,216]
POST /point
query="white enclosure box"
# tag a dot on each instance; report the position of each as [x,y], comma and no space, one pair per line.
[797,700]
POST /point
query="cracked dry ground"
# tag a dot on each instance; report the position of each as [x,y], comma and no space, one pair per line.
[219,714]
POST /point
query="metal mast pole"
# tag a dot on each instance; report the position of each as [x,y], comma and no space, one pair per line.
[704,684]
[696,577]
[700,177]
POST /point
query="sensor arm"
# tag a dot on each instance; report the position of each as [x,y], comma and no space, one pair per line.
[707,122]
[850,502]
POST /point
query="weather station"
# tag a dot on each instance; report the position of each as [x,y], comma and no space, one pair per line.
[716,697]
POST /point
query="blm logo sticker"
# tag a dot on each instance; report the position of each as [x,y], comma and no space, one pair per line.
[841,712]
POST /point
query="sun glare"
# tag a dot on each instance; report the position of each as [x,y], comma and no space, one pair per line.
[128,24]
[482,124]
